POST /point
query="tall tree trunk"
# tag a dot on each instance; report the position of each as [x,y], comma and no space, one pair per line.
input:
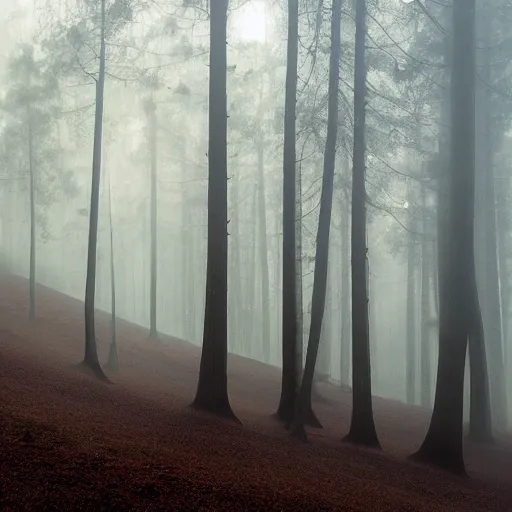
[303,410]
[362,427]
[411,331]
[250,304]
[443,443]
[345,295]
[503,230]
[262,216]
[152,122]
[426,247]
[212,393]
[480,424]
[299,289]
[112,363]
[278,283]
[32,275]
[290,371]
[237,305]
[91,353]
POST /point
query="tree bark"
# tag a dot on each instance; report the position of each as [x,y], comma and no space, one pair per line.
[91,354]
[212,393]
[362,427]
[303,412]
[32,275]
[426,247]
[289,290]
[443,445]
[112,363]
[152,126]
[411,330]
[345,296]
[263,247]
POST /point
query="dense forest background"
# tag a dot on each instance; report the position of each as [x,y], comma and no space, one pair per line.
[153,190]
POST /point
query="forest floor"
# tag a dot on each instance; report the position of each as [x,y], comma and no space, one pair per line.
[69,442]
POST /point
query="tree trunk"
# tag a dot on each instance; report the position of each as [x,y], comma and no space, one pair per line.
[237,305]
[152,122]
[480,424]
[362,427]
[262,216]
[426,370]
[503,230]
[303,411]
[290,369]
[250,304]
[411,331]
[212,393]
[91,354]
[443,445]
[493,328]
[112,363]
[32,275]
[345,296]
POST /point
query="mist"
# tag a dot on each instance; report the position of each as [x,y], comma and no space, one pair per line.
[408,207]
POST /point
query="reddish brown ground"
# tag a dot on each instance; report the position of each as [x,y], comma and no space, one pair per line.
[69,442]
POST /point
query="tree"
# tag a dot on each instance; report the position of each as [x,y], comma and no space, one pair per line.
[303,411]
[112,362]
[152,129]
[443,443]
[362,427]
[31,105]
[212,393]
[291,369]
[91,354]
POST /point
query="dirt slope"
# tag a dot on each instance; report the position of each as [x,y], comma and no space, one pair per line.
[68,442]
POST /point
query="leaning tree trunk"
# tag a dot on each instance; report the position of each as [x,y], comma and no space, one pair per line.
[91,354]
[152,121]
[290,369]
[32,275]
[443,444]
[303,412]
[212,392]
[362,427]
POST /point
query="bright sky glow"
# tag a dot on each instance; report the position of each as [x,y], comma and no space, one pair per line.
[250,21]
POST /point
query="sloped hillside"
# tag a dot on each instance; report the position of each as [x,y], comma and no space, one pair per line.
[69,442]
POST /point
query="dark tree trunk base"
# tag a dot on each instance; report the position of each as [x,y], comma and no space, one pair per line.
[317,397]
[95,369]
[311,420]
[284,413]
[297,431]
[113,363]
[363,437]
[478,438]
[308,419]
[221,409]
[441,458]
[154,337]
